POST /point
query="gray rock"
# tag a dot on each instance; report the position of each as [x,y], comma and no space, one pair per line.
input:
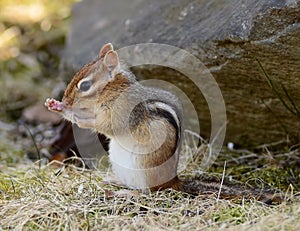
[227,36]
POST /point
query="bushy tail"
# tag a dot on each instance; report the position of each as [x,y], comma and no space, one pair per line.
[226,190]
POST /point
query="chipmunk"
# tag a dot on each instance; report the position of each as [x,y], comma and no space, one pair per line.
[144,124]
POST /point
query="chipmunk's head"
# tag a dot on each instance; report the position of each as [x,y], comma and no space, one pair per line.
[89,87]
[89,81]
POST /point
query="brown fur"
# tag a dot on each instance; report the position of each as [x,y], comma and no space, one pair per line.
[103,98]
[162,154]
[174,183]
[106,48]
[229,190]
[69,94]
[113,89]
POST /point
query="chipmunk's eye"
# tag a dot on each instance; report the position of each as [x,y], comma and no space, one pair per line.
[85,85]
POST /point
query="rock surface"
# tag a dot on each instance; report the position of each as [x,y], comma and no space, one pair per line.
[227,36]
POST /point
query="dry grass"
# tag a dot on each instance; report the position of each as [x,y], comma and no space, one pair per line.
[73,199]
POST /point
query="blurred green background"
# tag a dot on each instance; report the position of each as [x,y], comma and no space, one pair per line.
[32,35]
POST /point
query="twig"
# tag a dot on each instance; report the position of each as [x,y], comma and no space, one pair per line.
[276,117]
[291,100]
[222,181]
[267,77]
[34,143]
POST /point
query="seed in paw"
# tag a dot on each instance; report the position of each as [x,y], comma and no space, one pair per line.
[53,105]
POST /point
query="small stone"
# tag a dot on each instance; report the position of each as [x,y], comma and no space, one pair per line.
[230,145]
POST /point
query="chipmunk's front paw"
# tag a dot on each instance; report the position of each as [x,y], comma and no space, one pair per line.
[54,105]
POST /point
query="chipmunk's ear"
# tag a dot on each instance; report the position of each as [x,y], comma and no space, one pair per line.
[106,48]
[111,61]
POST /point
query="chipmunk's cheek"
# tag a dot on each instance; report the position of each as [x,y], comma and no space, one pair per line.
[84,118]
[84,123]
[54,105]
